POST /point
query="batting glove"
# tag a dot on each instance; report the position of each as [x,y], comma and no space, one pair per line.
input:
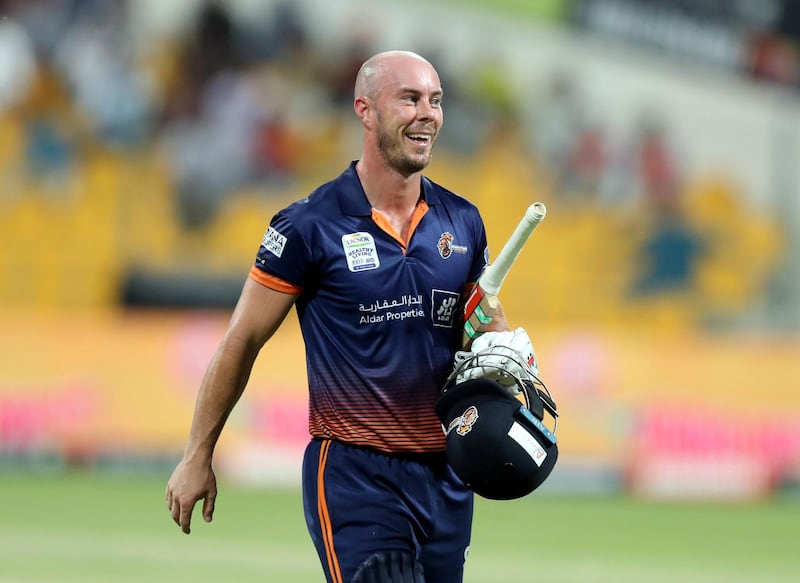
[496,356]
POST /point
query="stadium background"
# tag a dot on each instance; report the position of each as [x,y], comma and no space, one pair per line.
[144,145]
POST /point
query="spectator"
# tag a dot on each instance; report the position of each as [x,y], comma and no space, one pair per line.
[558,120]
[669,254]
[654,165]
[96,59]
[17,62]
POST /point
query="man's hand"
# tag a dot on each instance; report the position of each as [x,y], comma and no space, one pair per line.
[189,483]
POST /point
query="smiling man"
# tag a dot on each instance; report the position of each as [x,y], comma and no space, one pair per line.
[376,262]
[398,98]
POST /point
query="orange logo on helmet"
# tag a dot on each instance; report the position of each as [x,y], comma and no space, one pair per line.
[464,423]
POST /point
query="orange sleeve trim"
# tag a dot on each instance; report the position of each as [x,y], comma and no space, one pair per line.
[273,282]
[325,517]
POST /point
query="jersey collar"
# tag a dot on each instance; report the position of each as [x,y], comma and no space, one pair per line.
[357,205]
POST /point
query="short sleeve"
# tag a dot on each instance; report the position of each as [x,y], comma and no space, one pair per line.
[480,257]
[283,255]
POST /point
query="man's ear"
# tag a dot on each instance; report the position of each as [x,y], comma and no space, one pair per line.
[363,109]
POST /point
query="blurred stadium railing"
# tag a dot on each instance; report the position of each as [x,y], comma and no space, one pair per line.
[144,148]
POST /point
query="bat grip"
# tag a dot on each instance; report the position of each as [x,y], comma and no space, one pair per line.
[536,212]
[497,271]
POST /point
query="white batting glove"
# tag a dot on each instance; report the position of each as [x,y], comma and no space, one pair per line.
[495,357]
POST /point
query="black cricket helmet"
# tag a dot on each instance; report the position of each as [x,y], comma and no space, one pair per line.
[497,441]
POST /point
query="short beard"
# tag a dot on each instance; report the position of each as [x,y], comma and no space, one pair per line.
[391,151]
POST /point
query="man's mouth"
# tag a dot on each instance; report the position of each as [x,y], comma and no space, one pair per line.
[420,139]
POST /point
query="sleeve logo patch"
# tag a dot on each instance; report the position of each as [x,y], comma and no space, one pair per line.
[360,251]
[273,242]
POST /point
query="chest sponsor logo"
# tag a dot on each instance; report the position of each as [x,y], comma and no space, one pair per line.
[273,242]
[360,252]
[443,308]
[396,310]
[447,247]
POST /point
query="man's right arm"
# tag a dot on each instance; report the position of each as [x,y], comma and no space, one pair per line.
[258,314]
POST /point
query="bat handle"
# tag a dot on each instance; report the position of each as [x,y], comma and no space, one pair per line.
[495,275]
[535,213]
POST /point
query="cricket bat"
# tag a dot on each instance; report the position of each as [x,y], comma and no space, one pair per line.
[482,302]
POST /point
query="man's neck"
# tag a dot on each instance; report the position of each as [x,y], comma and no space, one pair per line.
[386,189]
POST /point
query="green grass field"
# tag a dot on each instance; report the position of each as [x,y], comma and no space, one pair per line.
[115,528]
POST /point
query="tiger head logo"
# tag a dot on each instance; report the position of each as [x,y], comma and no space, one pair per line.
[463,423]
[445,245]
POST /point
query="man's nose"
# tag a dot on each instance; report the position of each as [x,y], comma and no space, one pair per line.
[425,110]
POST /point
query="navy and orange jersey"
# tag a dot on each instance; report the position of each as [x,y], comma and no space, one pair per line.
[379,316]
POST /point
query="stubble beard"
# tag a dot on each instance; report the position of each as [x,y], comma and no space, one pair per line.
[391,148]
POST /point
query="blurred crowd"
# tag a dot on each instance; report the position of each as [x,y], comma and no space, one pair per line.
[216,99]
[233,103]
[227,104]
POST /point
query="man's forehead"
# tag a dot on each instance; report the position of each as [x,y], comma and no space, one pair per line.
[417,78]
[397,71]
[424,85]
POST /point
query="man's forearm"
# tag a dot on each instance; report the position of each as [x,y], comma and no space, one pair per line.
[222,386]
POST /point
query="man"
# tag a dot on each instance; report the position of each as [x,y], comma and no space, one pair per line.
[376,262]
